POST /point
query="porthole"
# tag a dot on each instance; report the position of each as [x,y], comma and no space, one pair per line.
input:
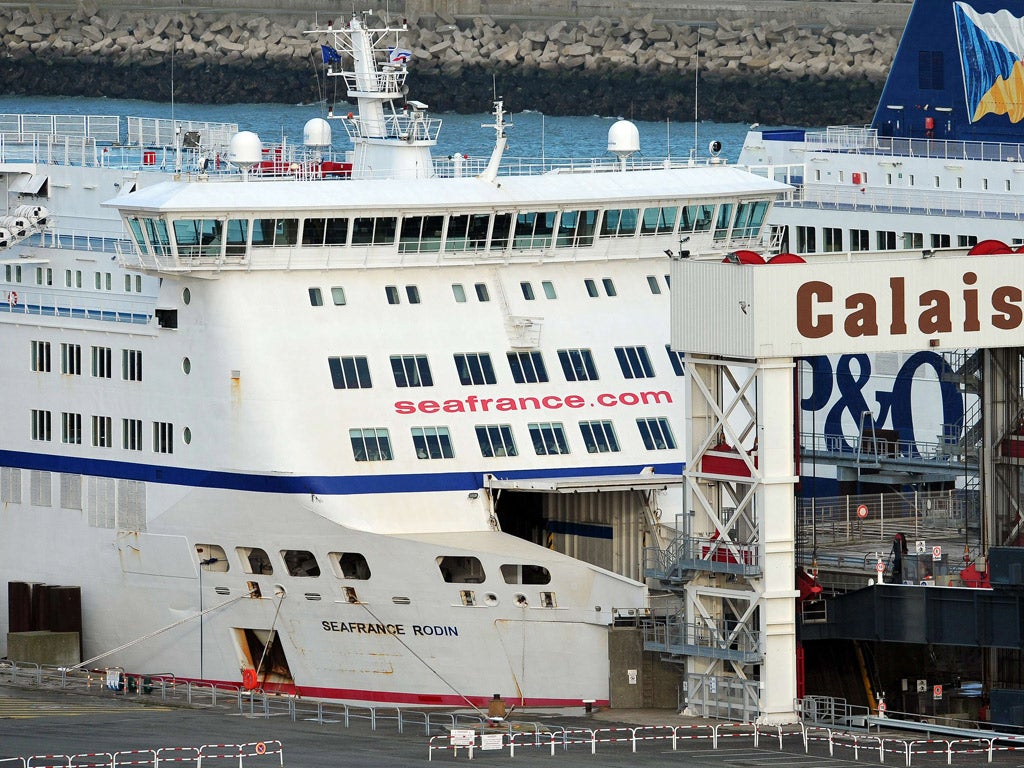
[186,435]
[490,599]
[186,365]
[521,600]
[186,296]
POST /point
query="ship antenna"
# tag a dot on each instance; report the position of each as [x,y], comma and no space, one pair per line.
[696,84]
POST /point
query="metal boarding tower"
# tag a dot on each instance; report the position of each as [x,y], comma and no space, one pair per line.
[741,327]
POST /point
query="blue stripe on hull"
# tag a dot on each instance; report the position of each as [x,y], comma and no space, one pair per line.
[332,485]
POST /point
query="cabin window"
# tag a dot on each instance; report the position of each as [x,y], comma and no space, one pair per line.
[966,241]
[44,276]
[101,362]
[527,367]
[156,231]
[102,432]
[411,371]
[71,359]
[131,434]
[913,240]
[599,436]
[652,283]
[10,485]
[41,356]
[496,440]
[888,179]
[136,229]
[910,180]
[547,600]
[198,237]
[274,232]
[833,239]
[131,364]
[658,221]
[75,280]
[938,182]
[475,368]
[1007,185]
[300,562]
[500,231]
[255,561]
[549,289]
[71,428]
[482,294]
[609,287]
[577,364]
[576,228]
[373,444]
[525,574]
[393,296]
[548,438]
[634,362]
[349,372]
[421,234]
[459,292]
[460,569]
[127,282]
[325,231]
[749,218]
[467,232]
[349,565]
[805,239]
[237,236]
[374,231]
[722,222]
[412,293]
[886,240]
[620,222]
[432,443]
[41,425]
[316,298]
[527,290]
[859,240]
[338,296]
[941,241]
[656,434]
[163,437]
[212,558]
[591,287]
[677,360]
[534,230]
[696,218]
[959,182]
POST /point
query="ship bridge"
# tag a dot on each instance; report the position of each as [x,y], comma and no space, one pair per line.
[741,560]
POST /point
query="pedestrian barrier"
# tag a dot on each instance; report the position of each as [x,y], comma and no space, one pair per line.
[236,753]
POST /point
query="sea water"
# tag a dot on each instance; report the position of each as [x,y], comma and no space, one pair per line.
[532,135]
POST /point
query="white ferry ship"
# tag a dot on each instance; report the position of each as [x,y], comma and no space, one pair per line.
[941,165]
[383,428]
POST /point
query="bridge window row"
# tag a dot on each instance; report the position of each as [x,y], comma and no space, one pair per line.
[440,232]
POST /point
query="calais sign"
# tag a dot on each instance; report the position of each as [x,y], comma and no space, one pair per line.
[848,303]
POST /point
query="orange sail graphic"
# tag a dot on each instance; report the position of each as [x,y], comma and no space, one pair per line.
[1005,97]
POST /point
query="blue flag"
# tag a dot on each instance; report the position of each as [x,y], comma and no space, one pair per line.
[330,54]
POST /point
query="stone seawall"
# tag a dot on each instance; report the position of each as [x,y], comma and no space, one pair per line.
[771,71]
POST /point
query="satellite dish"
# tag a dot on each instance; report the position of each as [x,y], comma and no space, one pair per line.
[715,147]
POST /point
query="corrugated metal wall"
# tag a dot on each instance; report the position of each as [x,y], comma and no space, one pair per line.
[586,520]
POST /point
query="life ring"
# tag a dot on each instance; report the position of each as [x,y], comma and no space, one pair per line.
[12,298]
[249,680]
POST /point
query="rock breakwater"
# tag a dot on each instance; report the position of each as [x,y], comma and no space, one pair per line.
[774,72]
